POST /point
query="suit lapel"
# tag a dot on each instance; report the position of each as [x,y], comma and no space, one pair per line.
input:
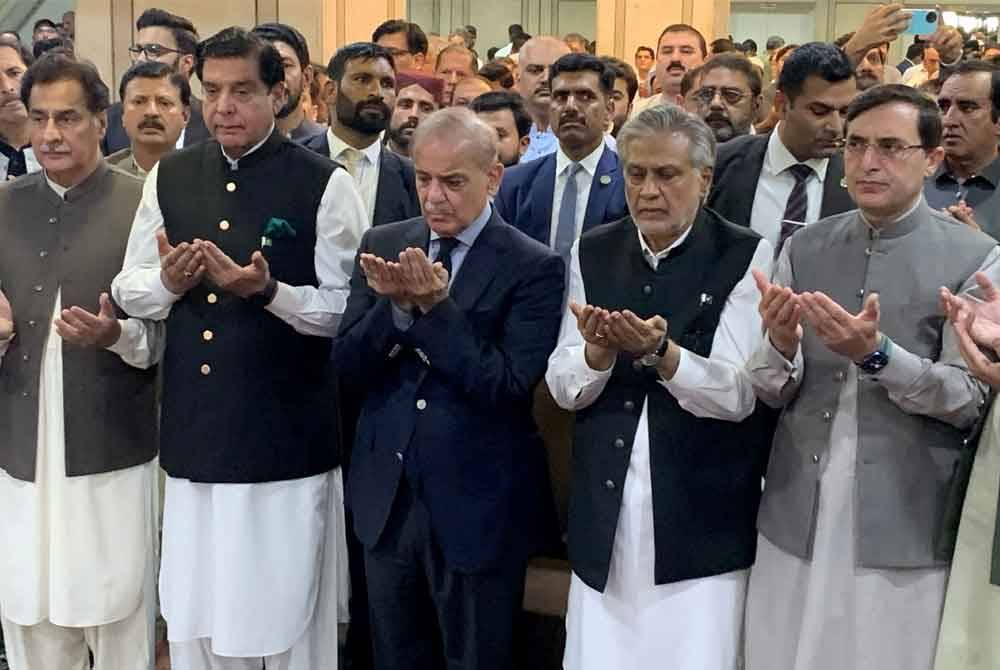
[479,266]
[541,192]
[417,236]
[385,190]
[602,188]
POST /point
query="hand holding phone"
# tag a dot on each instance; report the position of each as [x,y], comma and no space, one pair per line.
[922,22]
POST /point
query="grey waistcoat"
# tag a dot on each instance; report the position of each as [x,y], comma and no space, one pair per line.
[908,472]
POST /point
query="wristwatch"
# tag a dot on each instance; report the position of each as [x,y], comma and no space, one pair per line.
[874,362]
[653,359]
[264,298]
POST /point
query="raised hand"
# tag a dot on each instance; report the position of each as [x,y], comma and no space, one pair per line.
[241,280]
[964,214]
[6,318]
[386,279]
[979,365]
[85,329]
[627,332]
[181,267]
[426,282]
[781,313]
[985,328]
[592,322]
[946,40]
[883,24]
[853,336]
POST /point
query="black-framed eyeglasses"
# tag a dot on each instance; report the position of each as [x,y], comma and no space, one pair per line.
[885,149]
[730,96]
[152,51]
[396,53]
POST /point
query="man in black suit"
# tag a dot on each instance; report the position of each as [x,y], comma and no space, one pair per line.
[360,94]
[449,323]
[170,39]
[777,183]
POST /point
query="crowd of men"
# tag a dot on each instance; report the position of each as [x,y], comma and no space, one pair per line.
[331,302]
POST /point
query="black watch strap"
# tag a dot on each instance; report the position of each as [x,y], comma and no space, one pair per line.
[264,298]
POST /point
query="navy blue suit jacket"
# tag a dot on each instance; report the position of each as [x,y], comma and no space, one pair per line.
[525,197]
[396,192]
[454,392]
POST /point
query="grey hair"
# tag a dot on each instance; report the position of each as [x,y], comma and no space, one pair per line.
[459,126]
[666,119]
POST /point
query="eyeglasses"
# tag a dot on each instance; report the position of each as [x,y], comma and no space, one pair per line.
[731,96]
[884,149]
[152,51]
[396,53]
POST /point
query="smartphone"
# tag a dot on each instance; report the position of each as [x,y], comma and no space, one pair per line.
[922,22]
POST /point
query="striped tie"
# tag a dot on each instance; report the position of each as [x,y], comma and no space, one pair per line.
[797,205]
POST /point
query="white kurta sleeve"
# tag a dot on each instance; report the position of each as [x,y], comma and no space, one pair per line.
[138,288]
[942,389]
[572,383]
[776,380]
[340,223]
[140,343]
[719,387]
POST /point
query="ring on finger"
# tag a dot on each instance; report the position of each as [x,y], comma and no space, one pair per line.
[188,274]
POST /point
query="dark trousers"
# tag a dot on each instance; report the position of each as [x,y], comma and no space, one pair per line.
[421,610]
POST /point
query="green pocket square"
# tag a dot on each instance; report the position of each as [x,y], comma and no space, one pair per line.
[275,230]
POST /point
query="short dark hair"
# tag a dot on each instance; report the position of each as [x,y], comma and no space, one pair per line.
[818,59]
[584,63]
[929,125]
[44,22]
[976,67]
[750,45]
[684,28]
[492,52]
[62,44]
[182,29]
[54,67]
[458,48]
[281,32]
[26,55]
[914,50]
[515,29]
[151,69]
[723,45]
[416,40]
[235,42]
[623,70]
[497,72]
[652,54]
[494,101]
[689,78]
[356,51]
[519,41]
[736,63]
[774,42]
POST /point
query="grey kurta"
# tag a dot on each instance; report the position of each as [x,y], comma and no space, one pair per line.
[829,612]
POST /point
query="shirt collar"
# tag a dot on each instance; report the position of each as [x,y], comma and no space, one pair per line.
[535,132]
[779,158]
[234,164]
[59,190]
[588,163]
[471,233]
[654,258]
[373,151]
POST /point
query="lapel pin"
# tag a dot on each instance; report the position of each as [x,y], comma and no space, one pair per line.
[265,242]
[605,179]
[706,299]
[843,182]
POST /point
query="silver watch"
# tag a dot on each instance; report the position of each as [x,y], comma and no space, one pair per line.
[653,359]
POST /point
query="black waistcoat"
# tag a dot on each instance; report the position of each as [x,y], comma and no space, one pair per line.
[75,246]
[245,397]
[705,473]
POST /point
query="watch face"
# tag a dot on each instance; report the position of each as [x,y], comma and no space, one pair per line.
[875,362]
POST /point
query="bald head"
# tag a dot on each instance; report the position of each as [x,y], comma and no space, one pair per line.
[534,60]
[462,131]
[467,90]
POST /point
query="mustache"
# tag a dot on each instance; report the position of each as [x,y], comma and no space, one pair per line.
[676,64]
[718,116]
[47,148]
[152,123]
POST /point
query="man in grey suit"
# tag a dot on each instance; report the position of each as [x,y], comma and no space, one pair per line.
[870,457]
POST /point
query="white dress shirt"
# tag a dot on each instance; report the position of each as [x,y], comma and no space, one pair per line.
[584,179]
[635,623]
[340,222]
[775,185]
[366,172]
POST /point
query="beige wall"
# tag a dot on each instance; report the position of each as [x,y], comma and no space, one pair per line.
[628,24]
[105,27]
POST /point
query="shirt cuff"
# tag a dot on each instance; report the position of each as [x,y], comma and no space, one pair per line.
[161,294]
[285,303]
[585,377]
[690,372]
[902,370]
[401,318]
[125,343]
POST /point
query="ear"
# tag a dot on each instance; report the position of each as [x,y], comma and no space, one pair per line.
[307,76]
[101,120]
[934,159]
[523,144]
[329,90]
[706,182]
[419,60]
[494,176]
[186,63]
[782,103]
[755,105]
[279,95]
[186,113]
